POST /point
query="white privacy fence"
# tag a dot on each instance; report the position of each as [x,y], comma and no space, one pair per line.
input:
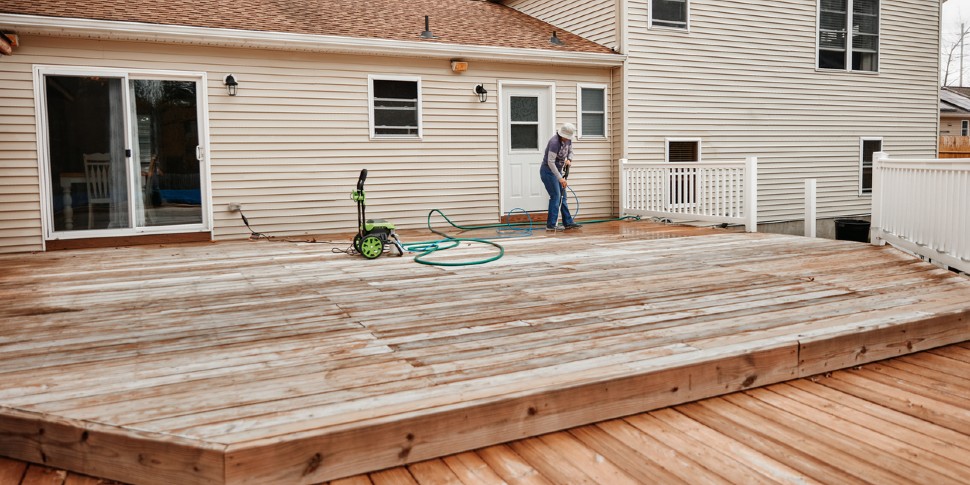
[923,206]
[696,191]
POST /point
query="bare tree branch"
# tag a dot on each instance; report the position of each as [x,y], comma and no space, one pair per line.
[950,52]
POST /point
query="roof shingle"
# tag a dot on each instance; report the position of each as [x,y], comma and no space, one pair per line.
[467,22]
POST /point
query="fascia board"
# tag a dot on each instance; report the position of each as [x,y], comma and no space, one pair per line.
[135,31]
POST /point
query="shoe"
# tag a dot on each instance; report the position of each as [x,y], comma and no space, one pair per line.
[554,229]
[574,225]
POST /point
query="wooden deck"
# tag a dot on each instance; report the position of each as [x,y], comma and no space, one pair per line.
[899,421]
[261,362]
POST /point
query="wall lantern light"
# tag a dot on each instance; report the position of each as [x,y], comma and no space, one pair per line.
[481,92]
[231,84]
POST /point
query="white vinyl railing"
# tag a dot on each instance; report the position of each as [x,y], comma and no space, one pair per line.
[697,191]
[923,206]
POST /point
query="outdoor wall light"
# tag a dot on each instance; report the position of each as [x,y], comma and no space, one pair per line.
[231,84]
[481,92]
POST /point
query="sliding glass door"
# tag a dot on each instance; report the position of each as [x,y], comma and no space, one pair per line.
[124,154]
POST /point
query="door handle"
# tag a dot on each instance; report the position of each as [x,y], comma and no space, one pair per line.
[198,152]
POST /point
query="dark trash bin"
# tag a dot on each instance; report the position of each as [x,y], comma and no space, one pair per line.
[852,230]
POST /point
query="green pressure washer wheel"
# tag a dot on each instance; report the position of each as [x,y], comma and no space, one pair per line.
[371,247]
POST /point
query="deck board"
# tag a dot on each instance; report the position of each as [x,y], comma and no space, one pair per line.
[294,360]
[705,442]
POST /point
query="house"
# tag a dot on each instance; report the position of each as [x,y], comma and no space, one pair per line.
[323,89]
[954,111]
[785,81]
[144,124]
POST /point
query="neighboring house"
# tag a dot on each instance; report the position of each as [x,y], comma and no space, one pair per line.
[810,87]
[122,125]
[954,111]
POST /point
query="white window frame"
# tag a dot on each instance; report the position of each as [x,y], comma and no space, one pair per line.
[965,128]
[650,25]
[667,142]
[862,154]
[579,110]
[669,177]
[370,106]
[848,40]
[126,75]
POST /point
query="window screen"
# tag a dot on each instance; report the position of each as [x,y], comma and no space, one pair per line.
[682,151]
[395,108]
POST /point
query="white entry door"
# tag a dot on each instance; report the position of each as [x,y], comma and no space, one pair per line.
[527,125]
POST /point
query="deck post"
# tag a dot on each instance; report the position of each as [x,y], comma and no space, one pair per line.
[875,226]
[751,194]
[810,207]
[623,202]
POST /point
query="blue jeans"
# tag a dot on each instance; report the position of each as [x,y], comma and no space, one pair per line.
[556,198]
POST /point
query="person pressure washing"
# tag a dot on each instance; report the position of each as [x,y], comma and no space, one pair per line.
[558,156]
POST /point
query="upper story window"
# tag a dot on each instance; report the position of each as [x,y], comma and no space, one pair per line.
[592,111]
[395,107]
[841,47]
[965,128]
[669,13]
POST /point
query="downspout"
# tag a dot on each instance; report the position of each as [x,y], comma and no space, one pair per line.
[623,47]
[939,40]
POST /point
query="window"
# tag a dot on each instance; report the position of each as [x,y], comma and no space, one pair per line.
[395,107]
[839,47]
[592,111]
[524,122]
[869,146]
[965,130]
[683,181]
[669,13]
[683,151]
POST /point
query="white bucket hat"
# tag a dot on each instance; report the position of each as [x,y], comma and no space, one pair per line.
[567,131]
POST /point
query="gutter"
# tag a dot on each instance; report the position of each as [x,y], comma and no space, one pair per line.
[177,34]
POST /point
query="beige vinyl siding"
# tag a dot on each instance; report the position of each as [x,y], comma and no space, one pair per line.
[952,125]
[592,19]
[744,81]
[289,147]
[19,194]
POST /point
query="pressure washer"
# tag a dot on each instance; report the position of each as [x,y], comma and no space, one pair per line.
[373,236]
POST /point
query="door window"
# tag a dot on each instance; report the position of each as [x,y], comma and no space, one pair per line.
[524,111]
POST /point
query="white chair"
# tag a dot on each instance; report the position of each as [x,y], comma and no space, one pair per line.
[97,175]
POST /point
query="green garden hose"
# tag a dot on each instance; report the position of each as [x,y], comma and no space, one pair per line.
[426,248]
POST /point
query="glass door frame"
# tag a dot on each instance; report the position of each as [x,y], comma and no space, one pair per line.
[47,187]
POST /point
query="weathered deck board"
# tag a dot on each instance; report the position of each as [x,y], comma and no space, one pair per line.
[298,365]
[700,445]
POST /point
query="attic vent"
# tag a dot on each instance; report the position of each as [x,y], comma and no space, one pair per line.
[554,40]
[427,29]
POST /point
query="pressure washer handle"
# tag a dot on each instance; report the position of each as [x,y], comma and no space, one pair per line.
[565,172]
[360,180]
